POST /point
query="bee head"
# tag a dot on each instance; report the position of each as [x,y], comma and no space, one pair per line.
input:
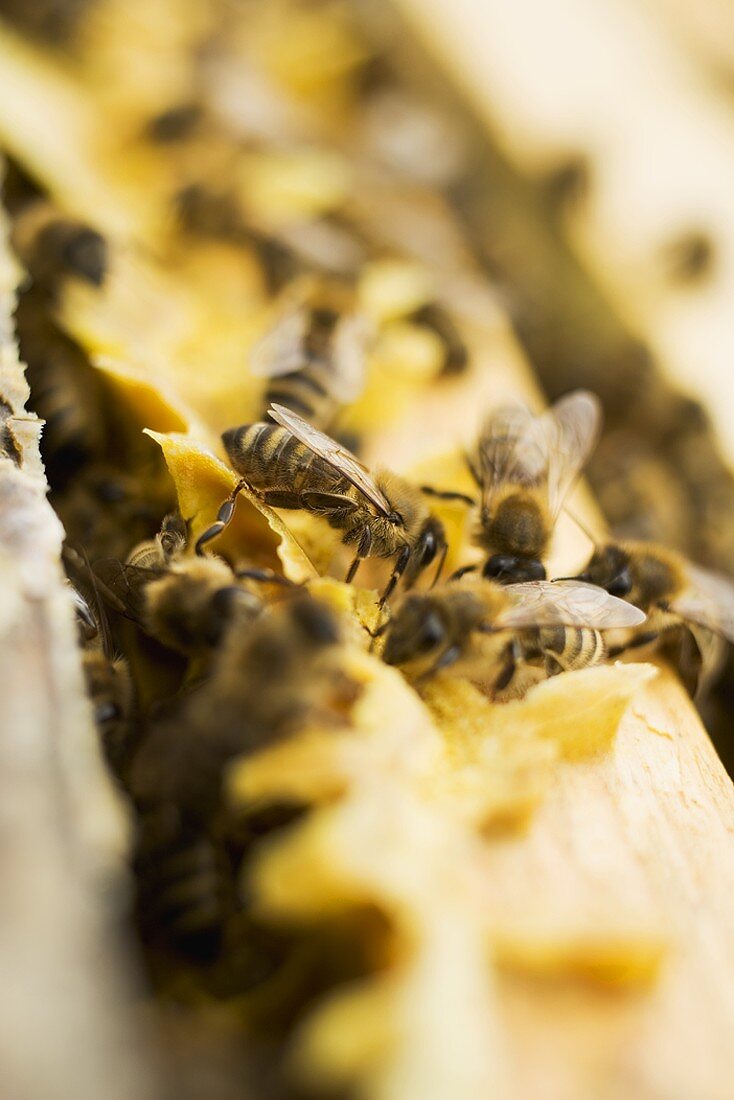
[431,542]
[314,621]
[610,568]
[416,630]
[511,569]
[222,608]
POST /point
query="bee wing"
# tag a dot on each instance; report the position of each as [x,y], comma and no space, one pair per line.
[122,586]
[512,448]
[708,601]
[566,603]
[571,428]
[350,355]
[338,457]
[280,350]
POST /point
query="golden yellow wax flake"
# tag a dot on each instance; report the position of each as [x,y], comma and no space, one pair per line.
[202,484]
[318,52]
[315,765]
[283,187]
[437,1032]
[151,403]
[408,352]
[579,711]
[494,780]
[608,959]
[392,288]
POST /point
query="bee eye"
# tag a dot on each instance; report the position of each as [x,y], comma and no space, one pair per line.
[431,633]
[107,712]
[507,568]
[621,585]
[316,622]
[500,566]
[531,571]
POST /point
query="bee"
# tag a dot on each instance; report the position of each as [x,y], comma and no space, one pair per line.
[314,357]
[185,882]
[53,246]
[524,468]
[185,603]
[485,630]
[65,393]
[290,464]
[107,675]
[265,683]
[672,592]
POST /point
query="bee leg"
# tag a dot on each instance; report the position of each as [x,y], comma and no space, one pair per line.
[400,566]
[276,498]
[636,643]
[441,494]
[463,571]
[441,563]
[363,551]
[224,518]
[552,666]
[508,670]
[352,571]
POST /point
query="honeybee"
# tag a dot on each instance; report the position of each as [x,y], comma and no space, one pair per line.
[314,357]
[107,675]
[671,591]
[65,393]
[264,684]
[185,882]
[524,467]
[52,246]
[185,603]
[556,623]
[290,464]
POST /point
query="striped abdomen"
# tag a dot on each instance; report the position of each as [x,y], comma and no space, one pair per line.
[566,648]
[271,459]
[185,887]
[309,391]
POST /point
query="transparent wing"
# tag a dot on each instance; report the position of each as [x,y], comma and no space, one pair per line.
[567,603]
[350,358]
[280,350]
[338,457]
[571,428]
[123,586]
[708,601]
[512,449]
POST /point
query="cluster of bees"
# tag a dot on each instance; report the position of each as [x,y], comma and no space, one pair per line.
[194,659]
[262,655]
